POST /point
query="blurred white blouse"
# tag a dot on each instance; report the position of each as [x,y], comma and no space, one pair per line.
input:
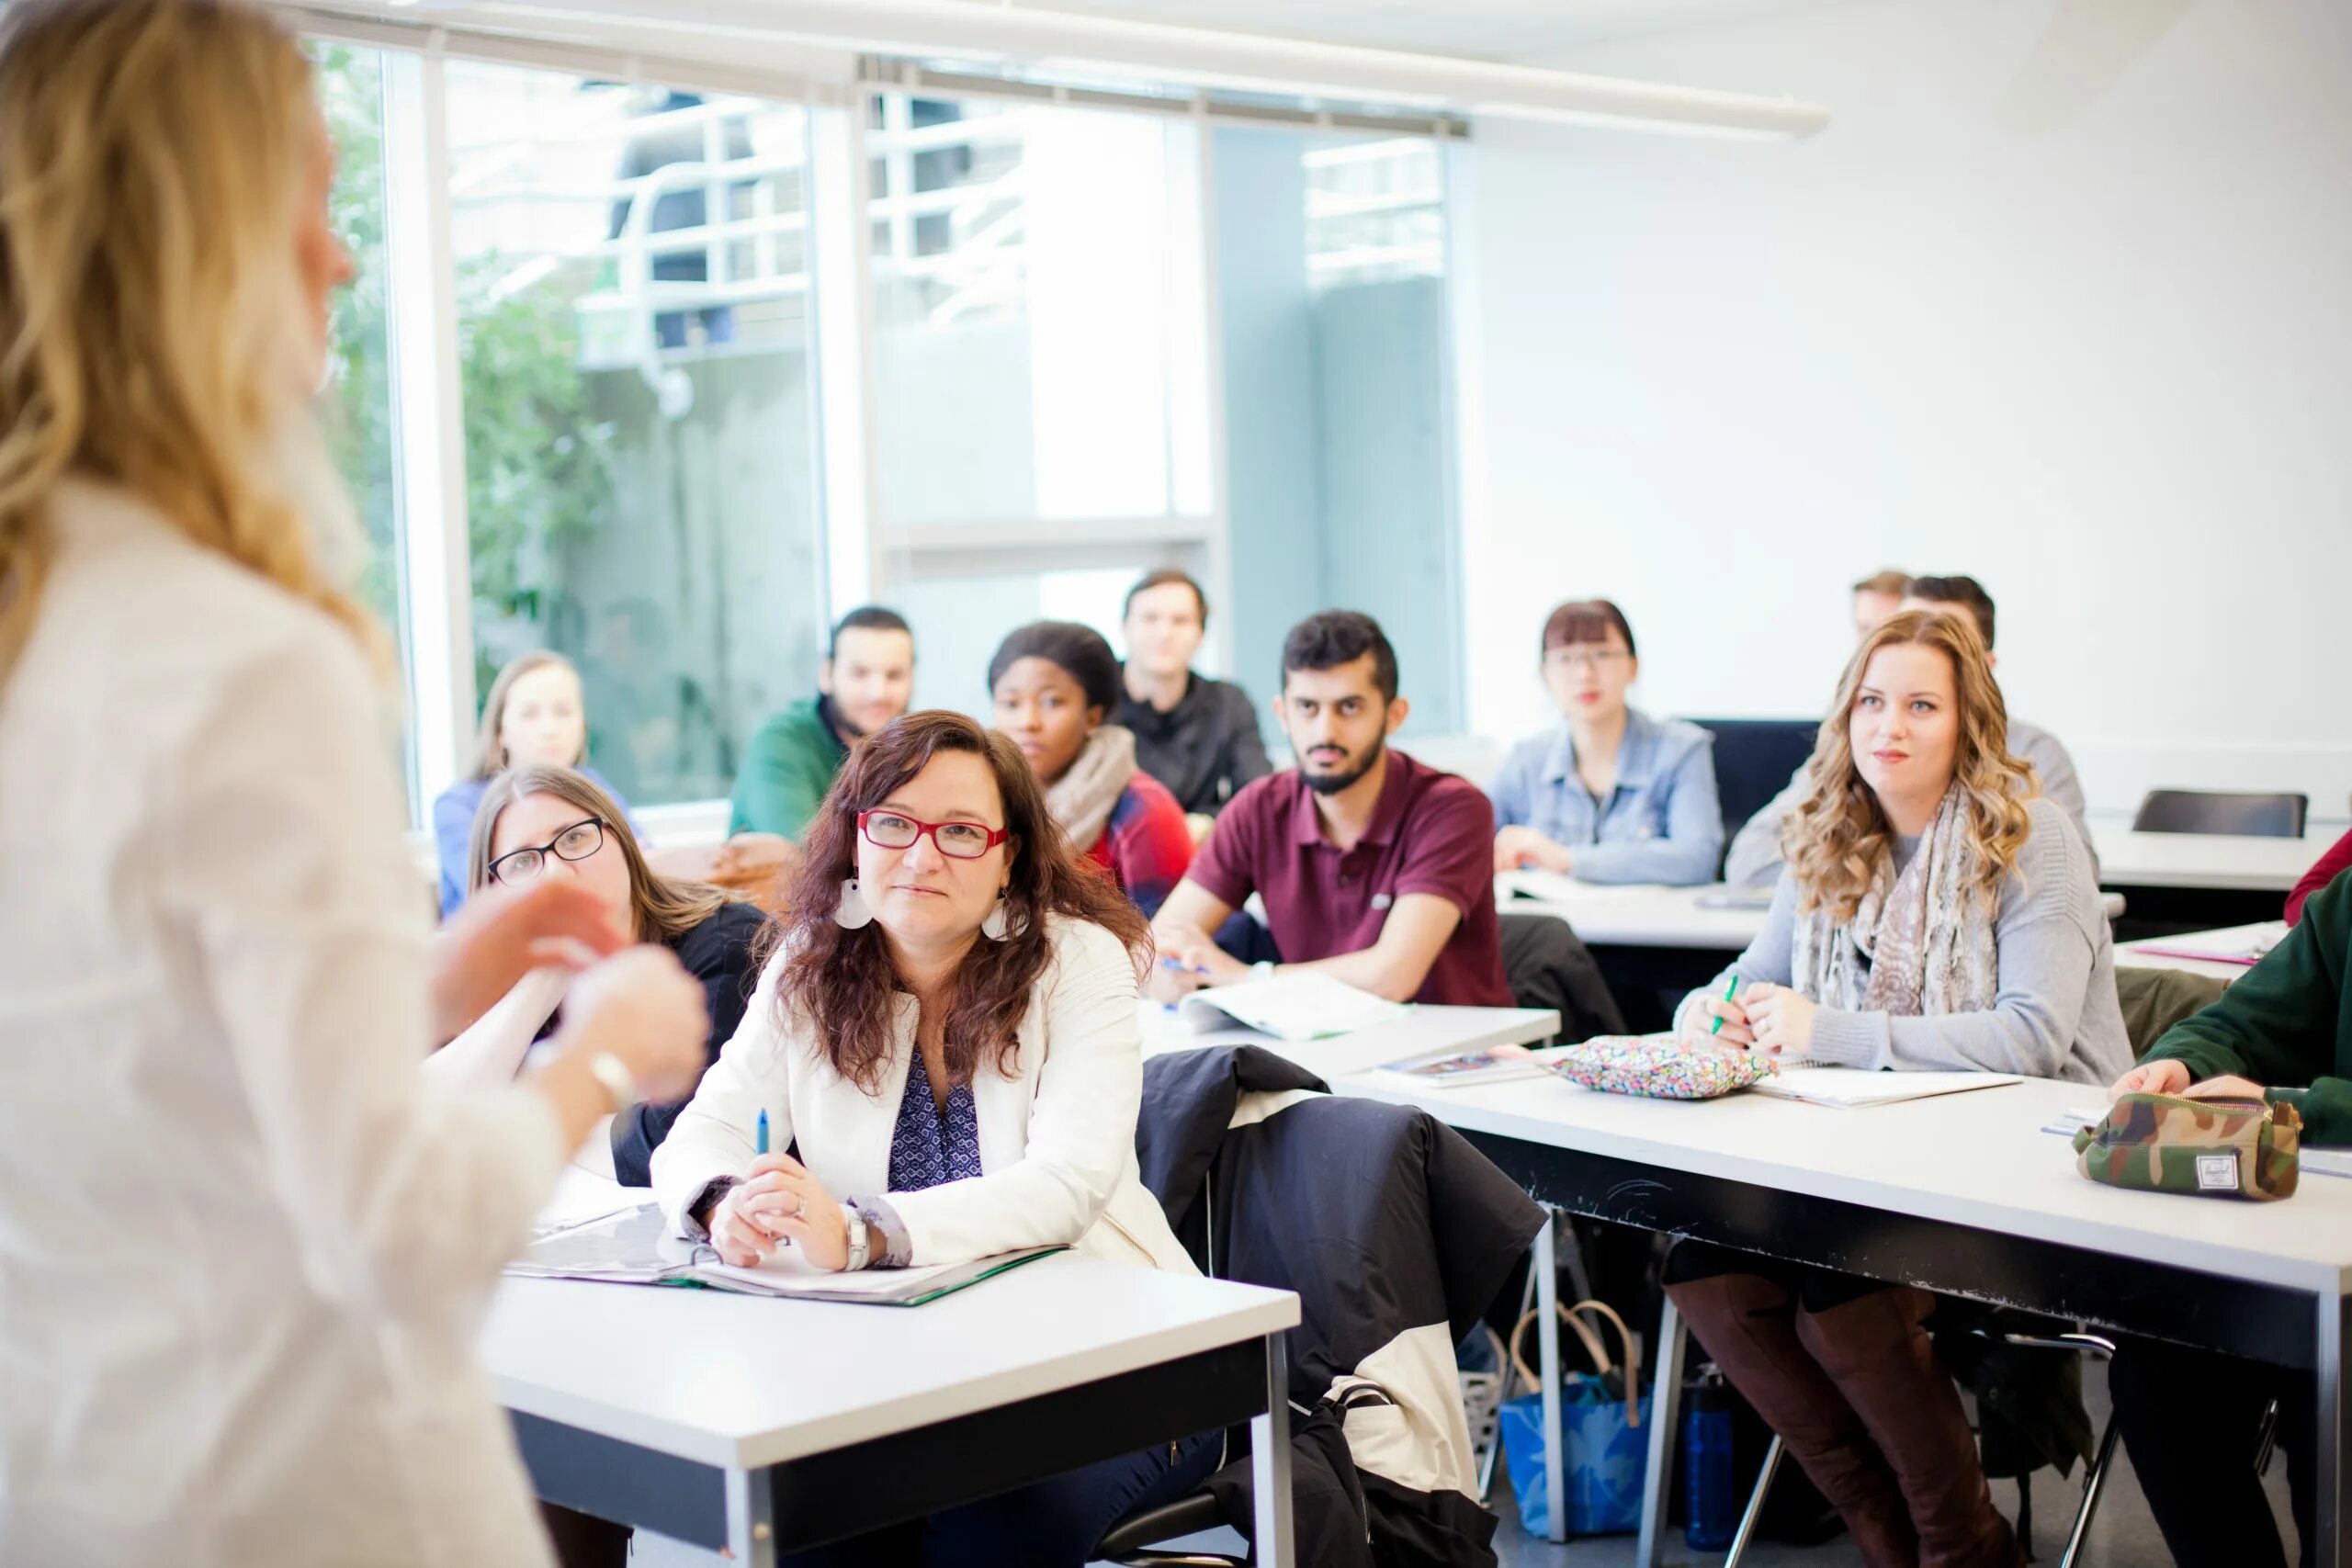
[245,1244]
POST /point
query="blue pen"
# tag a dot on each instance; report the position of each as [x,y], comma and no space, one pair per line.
[760,1139]
[1181,967]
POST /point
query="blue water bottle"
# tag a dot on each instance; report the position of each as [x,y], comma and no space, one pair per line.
[1709,1483]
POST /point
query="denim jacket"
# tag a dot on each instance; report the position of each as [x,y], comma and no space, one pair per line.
[1661,823]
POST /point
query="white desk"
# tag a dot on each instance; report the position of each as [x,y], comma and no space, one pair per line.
[764,1425]
[1642,915]
[2224,863]
[1427,1031]
[1963,1194]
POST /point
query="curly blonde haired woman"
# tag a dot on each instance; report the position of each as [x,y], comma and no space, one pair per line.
[1934,913]
[244,1247]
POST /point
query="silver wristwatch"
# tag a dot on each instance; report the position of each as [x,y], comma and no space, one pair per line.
[860,1247]
[618,1081]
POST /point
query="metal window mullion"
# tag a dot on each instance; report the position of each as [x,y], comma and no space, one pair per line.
[841,265]
[427,417]
[1219,565]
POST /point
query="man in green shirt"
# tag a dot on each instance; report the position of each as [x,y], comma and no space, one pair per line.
[867,680]
[2190,1417]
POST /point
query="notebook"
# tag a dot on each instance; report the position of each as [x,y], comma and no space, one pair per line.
[638,1248]
[1288,1007]
[1495,1064]
[1853,1088]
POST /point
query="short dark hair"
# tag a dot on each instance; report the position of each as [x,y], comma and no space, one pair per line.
[1078,650]
[867,618]
[1958,590]
[1332,637]
[1587,620]
[1164,577]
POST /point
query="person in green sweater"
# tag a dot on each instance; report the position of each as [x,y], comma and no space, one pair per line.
[2192,1417]
[867,680]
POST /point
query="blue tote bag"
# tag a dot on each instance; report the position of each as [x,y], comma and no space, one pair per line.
[1603,1442]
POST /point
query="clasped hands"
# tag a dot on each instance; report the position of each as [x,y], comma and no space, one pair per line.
[1764,1020]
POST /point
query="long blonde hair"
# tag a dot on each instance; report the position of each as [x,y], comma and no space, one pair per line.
[152,152]
[1834,838]
[666,907]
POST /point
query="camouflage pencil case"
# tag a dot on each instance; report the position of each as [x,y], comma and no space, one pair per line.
[2210,1149]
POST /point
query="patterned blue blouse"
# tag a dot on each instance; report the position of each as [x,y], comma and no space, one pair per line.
[932,1145]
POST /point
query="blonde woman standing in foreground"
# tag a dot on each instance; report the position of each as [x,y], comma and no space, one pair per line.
[245,1245]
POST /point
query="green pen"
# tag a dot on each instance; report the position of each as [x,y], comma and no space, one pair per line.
[1731,989]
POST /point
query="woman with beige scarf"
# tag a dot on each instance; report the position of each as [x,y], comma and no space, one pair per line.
[1052,685]
[1934,914]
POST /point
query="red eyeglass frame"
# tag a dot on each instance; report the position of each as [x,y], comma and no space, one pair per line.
[996,835]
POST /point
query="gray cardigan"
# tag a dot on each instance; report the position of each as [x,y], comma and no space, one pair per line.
[2055,1014]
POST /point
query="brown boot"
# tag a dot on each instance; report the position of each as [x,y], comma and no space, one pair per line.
[1748,1325]
[1883,1363]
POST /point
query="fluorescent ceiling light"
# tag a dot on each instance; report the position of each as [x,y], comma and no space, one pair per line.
[1010,37]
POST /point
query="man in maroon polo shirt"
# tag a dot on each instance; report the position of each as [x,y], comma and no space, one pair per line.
[1375,869]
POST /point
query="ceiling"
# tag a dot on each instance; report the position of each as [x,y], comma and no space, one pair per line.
[1502,29]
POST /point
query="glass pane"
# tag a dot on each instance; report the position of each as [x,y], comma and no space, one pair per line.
[961,618]
[1339,429]
[1038,334]
[358,410]
[633,295]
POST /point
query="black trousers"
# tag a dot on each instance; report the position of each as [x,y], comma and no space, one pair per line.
[2190,1419]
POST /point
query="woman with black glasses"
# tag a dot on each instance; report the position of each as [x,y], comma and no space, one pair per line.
[539,822]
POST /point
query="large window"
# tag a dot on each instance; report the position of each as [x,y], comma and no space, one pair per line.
[1041,384]
[633,314]
[577,387]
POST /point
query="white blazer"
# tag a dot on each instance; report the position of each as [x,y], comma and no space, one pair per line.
[1057,1138]
[245,1246]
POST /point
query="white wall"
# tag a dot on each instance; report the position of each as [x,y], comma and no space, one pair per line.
[2073,318]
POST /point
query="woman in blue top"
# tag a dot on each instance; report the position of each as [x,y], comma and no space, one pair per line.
[1613,794]
[534,719]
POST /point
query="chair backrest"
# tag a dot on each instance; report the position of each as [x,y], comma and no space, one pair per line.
[2154,999]
[1755,759]
[2268,815]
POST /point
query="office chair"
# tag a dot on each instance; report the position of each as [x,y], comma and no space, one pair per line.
[2268,815]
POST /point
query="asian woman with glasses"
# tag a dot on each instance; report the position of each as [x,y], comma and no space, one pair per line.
[545,822]
[1611,795]
[945,1044]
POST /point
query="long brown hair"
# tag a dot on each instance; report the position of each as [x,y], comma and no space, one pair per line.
[842,983]
[489,753]
[1835,837]
[151,152]
[666,907]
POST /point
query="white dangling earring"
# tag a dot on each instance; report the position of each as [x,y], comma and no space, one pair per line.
[851,913]
[998,925]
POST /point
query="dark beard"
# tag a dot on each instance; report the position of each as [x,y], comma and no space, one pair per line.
[1332,784]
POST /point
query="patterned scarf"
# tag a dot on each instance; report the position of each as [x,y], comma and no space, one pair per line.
[1083,798]
[1918,944]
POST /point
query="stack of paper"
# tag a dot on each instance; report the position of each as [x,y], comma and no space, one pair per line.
[2235,945]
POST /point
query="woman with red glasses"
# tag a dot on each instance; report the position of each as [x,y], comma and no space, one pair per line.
[947,1047]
